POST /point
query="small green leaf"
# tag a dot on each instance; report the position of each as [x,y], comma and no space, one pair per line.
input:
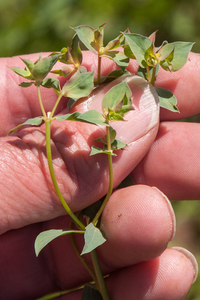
[112,134]
[79,85]
[93,117]
[115,95]
[117,144]
[150,56]
[167,99]
[138,45]
[93,238]
[76,51]
[113,116]
[115,43]
[44,66]
[33,121]
[112,76]
[142,72]
[128,52]
[98,37]
[152,37]
[29,64]
[118,57]
[64,71]
[68,117]
[26,84]
[86,35]
[51,83]
[45,237]
[21,72]
[96,150]
[100,140]
[180,55]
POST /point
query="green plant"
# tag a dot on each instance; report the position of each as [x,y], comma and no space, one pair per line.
[115,105]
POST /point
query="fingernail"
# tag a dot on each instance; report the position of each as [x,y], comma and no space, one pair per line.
[173,217]
[191,259]
[139,121]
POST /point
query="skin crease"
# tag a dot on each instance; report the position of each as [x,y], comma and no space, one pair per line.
[157,274]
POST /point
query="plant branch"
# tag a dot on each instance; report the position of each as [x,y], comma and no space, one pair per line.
[40,101]
[81,258]
[53,177]
[100,279]
[110,188]
[148,74]
[99,70]
[153,75]
[56,104]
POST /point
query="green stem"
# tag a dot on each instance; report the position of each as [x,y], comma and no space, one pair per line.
[40,101]
[56,104]
[148,74]
[81,258]
[153,75]
[110,188]
[100,279]
[99,70]
[53,177]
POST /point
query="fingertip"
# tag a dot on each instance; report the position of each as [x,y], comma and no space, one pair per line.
[138,224]
[193,264]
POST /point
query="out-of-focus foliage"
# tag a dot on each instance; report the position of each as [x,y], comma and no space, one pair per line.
[35,26]
[188,235]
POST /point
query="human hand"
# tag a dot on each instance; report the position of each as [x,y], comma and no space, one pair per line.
[138,221]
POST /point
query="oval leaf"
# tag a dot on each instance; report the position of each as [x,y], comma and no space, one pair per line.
[69,117]
[93,117]
[44,66]
[138,45]
[180,53]
[96,150]
[79,85]
[21,72]
[167,99]
[93,238]
[51,83]
[33,121]
[119,58]
[115,95]
[86,35]
[45,237]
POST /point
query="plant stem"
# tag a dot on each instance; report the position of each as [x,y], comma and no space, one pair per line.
[56,104]
[53,177]
[110,188]
[153,75]
[100,279]
[81,258]
[40,101]
[99,70]
[148,74]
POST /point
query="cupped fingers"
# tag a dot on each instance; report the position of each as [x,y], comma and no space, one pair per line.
[169,276]
[138,222]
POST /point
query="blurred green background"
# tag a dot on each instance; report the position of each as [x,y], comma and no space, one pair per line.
[37,26]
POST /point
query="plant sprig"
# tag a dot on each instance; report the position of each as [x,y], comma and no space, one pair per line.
[115,105]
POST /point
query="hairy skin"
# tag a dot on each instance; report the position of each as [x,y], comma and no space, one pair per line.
[138,221]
